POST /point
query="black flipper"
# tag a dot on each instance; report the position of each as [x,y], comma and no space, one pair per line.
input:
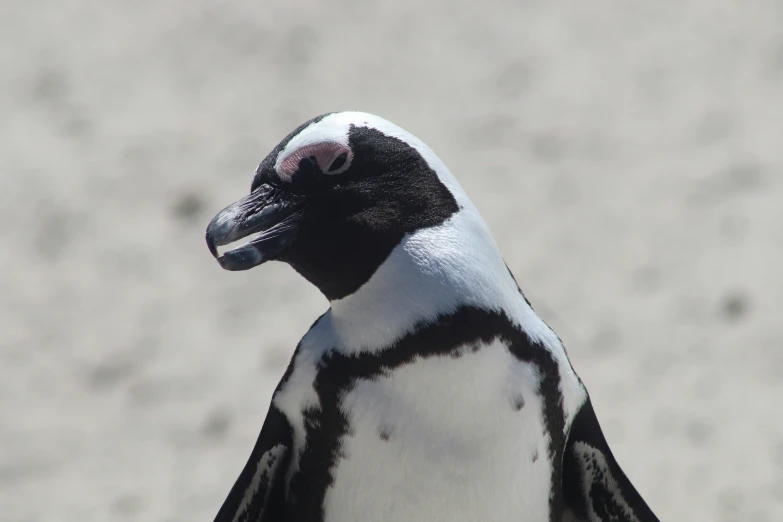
[594,487]
[258,494]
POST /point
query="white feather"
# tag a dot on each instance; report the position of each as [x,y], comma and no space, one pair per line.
[596,470]
[267,466]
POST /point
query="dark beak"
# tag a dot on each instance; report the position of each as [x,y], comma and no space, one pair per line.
[272,213]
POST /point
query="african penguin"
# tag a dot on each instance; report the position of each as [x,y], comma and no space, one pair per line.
[430,390]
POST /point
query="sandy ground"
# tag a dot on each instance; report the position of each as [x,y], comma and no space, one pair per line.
[627,155]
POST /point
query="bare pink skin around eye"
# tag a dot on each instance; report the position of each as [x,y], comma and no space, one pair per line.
[324,152]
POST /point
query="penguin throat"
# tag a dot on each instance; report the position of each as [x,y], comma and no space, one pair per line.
[338,269]
[430,273]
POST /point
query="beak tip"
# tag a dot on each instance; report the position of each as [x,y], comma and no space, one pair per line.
[211,244]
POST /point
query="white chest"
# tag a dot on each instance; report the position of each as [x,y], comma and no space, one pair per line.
[444,438]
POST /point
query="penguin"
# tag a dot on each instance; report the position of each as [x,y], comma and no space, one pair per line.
[429,390]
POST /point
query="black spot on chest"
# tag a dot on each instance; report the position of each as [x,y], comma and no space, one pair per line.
[385,433]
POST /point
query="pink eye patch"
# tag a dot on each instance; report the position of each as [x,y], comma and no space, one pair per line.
[331,157]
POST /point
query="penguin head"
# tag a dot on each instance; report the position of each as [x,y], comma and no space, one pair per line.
[333,199]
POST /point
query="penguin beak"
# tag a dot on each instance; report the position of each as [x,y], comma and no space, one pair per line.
[273,215]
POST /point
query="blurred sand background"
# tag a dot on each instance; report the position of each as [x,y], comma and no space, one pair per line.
[627,155]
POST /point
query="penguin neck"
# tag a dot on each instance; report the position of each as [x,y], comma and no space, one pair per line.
[432,273]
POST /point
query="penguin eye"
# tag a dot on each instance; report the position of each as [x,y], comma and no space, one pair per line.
[329,157]
[338,162]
